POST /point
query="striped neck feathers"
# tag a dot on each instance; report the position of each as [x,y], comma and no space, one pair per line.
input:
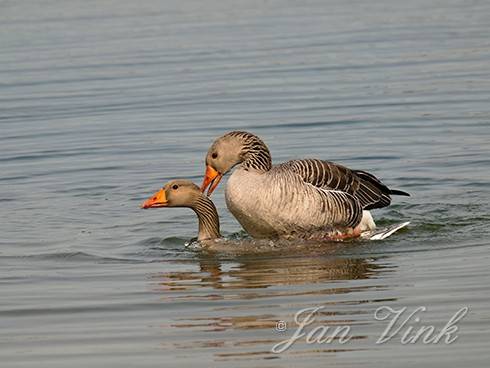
[254,153]
[208,218]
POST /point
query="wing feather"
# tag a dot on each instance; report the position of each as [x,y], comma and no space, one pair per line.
[363,186]
[346,207]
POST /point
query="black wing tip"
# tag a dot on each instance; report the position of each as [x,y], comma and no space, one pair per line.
[399,192]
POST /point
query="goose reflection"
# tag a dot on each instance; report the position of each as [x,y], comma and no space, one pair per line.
[234,304]
[251,272]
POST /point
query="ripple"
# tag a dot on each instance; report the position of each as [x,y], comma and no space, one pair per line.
[75,257]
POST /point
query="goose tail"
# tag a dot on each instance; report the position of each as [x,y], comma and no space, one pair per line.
[399,192]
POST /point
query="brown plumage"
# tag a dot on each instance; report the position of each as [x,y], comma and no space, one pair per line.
[295,199]
[365,187]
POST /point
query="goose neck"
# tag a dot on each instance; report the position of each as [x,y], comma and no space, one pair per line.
[208,218]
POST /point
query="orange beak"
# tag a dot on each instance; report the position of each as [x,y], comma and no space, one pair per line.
[211,179]
[157,200]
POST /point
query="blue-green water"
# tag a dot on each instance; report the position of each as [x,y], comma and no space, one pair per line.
[101,102]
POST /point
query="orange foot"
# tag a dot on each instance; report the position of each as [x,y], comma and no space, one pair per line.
[350,233]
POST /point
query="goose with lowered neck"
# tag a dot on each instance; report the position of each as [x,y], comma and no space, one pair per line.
[184,193]
[309,198]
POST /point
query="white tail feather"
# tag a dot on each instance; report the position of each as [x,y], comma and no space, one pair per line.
[367,222]
[383,233]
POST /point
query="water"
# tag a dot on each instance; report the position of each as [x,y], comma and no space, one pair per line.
[101,102]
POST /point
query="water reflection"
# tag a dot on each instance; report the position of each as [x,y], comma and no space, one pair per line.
[235,304]
[255,272]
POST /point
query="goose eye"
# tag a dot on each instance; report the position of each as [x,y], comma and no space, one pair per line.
[214,155]
[175,186]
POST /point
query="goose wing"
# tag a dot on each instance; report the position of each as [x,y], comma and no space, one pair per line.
[345,206]
[363,186]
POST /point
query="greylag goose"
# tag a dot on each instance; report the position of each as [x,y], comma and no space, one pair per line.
[308,198]
[184,193]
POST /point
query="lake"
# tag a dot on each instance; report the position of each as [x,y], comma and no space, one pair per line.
[102,102]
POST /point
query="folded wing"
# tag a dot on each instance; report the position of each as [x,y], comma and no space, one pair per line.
[363,186]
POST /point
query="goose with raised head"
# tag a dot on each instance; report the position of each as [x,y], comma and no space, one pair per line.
[310,198]
[184,193]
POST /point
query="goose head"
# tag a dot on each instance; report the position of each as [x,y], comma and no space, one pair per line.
[184,193]
[229,150]
[176,193]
